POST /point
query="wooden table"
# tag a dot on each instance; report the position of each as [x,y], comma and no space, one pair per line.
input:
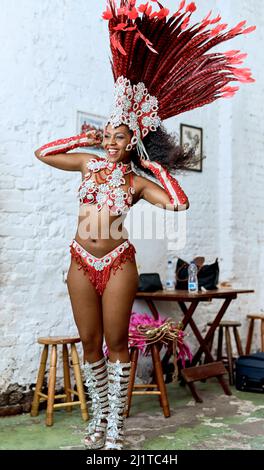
[182,297]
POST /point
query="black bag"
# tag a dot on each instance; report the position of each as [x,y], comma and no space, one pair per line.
[208,275]
[250,373]
[149,282]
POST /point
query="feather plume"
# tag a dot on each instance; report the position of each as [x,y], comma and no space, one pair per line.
[173,57]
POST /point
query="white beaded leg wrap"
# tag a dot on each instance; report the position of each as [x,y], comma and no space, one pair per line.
[118,377]
[97,385]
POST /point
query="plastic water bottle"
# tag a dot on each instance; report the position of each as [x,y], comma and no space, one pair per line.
[192,278]
[170,275]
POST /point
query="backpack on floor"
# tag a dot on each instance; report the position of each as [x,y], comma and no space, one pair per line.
[250,373]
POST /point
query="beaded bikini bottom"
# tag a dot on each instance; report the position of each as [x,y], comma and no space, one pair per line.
[99,269]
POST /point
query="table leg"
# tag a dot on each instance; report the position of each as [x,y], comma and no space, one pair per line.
[188,313]
[152,308]
[211,330]
[204,342]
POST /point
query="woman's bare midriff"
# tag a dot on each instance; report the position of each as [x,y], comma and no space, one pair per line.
[96,232]
[99,232]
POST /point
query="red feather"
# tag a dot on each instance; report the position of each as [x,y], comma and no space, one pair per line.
[173,58]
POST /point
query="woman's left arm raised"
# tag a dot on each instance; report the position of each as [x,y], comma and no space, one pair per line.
[172,197]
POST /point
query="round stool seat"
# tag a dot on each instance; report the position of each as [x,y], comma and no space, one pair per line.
[256,316]
[59,340]
[226,323]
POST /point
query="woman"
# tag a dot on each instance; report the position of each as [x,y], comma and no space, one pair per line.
[161,68]
[102,299]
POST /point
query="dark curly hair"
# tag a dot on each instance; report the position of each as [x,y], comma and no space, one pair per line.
[163,147]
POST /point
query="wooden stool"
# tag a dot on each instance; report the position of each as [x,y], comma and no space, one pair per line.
[133,389]
[226,325]
[252,319]
[53,341]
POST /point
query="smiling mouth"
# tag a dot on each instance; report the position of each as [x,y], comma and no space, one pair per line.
[112,153]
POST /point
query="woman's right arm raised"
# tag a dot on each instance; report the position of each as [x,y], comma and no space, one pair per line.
[53,153]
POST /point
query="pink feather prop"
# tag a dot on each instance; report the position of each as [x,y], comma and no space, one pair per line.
[145,330]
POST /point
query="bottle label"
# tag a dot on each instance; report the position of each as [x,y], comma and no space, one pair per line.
[169,284]
[192,286]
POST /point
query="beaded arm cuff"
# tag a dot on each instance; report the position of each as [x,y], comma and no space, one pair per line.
[64,145]
[173,189]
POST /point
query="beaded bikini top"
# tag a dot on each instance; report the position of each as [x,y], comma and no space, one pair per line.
[110,176]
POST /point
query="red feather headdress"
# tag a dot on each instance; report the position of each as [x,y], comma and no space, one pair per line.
[163,66]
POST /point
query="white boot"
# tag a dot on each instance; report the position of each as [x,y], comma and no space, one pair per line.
[118,380]
[97,384]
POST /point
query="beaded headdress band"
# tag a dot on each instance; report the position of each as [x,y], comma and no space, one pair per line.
[136,108]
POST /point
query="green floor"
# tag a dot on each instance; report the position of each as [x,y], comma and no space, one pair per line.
[220,422]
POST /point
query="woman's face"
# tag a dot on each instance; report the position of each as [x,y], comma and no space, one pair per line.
[115,141]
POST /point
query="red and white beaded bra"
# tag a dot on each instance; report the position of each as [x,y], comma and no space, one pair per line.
[108,192]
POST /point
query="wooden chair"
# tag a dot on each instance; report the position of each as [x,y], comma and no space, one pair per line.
[252,317]
[224,328]
[137,389]
[54,341]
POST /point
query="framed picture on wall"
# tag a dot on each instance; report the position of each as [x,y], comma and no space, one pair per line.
[191,137]
[88,121]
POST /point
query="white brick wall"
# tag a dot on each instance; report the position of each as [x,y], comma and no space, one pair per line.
[55,62]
